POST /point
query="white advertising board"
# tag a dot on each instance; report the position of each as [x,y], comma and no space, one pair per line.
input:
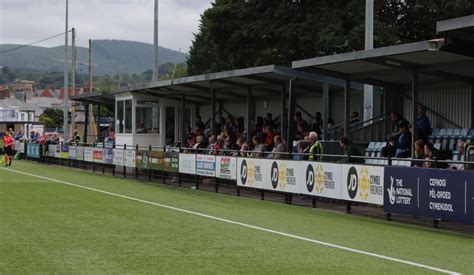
[187,164]
[129,158]
[72,152]
[88,154]
[320,179]
[226,167]
[363,183]
[118,157]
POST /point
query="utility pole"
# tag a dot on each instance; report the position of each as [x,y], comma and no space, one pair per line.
[155,42]
[73,78]
[66,77]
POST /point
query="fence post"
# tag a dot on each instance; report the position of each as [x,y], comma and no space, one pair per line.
[113,165]
[313,202]
[163,165]
[124,167]
[149,168]
[262,195]
[136,168]
[93,162]
[216,184]
[103,164]
[348,207]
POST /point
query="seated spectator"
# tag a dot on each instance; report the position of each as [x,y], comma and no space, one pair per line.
[200,144]
[212,141]
[76,138]
[244,148]
[302,131]
[419,152]
[355,118]
[461,146]
[423,126]
[349,149]
[404,141]
[279,147]
[269,135]
[259,147]
[315,148]
[430,151]
[428,163]
[396,119]
[390,148]
[228,147]
[318,122]
[199,124]
[299,150]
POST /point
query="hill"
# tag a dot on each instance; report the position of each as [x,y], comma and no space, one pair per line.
[109,57]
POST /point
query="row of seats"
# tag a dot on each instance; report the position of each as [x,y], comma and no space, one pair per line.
[375,150]
[448,139]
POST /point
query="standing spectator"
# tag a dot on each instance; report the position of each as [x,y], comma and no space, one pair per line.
[279,147]
[19,135]
[110,136]
[430,151]
[199,124]
[317,124]
[423,126]
[315,147]
[355,118]
[349,149]
[404,141]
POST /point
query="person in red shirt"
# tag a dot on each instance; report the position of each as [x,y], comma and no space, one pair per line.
[8,149]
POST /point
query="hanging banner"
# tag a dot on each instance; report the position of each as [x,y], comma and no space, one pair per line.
[320,179]
[206,165]
[51,150]
[117,157]
[141,159]
[107,155]
[97,154]
[171,161]
[129,158]
[226,167]
[57,151]
[72,152]
[155,160]
[187,164]
[88,154]
[363,183]
[430,193]
[64,152]
[80,153]
[254,173]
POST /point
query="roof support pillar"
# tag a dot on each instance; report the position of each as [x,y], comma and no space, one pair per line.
[183,119]
[86,121]
[472,104]
[325,110]
[347,106]
[98,122]
[249,113]
[414,118]
[213,108]
[291,113]
[282,111]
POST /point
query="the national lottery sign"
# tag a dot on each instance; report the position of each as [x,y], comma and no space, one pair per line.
[363,183]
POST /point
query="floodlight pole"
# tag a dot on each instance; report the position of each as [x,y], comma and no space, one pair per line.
[66,84]
[155,46]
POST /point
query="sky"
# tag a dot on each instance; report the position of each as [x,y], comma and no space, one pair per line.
[26,21]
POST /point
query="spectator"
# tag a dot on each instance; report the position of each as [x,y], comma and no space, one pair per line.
[396,119]
[200,144]
[331,123]
[280,147]
[212,144]
[269,135]
[430,151]
[36,137]
[76,138]
[19,135]
[269,120]
[315,147]
[390,148]
[419,152]
[349,149]
[355,118]
[423,126]
[302,130]
[317,124]
[404,141]
[110,136]
[259,147]
[428,163]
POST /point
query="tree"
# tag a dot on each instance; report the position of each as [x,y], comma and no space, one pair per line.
[52,118]
[238,34]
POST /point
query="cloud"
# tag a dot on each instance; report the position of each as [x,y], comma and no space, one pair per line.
[24,21]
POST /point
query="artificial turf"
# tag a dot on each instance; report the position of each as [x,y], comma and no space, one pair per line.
[50,227]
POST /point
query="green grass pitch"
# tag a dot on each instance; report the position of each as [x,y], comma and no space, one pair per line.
[50,227]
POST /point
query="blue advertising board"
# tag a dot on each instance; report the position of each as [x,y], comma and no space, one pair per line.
[33,150]
[107,155]
[431,193]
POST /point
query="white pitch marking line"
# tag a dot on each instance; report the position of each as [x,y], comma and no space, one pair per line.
[244,225]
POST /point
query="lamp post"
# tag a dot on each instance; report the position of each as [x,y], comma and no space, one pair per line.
[66,84]
[155,42]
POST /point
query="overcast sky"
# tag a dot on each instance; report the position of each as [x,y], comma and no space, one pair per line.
[25,21]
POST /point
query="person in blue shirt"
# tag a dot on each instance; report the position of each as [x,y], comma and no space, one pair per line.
[19,135]
[404,141]
[423,126]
